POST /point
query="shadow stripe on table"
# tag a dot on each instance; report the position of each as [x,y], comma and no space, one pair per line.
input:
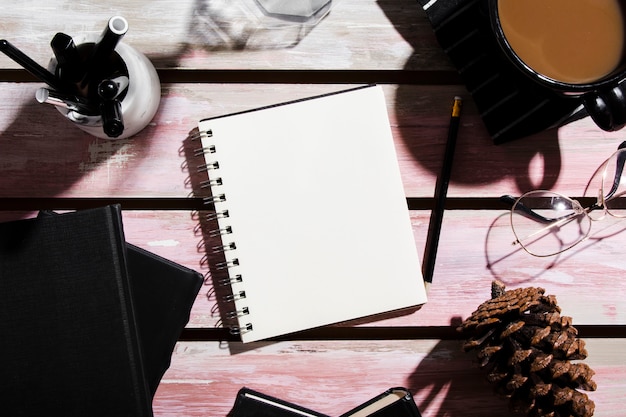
[197,203]
[287,76]
[384,333]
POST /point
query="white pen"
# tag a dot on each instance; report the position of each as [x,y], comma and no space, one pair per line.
[67,101]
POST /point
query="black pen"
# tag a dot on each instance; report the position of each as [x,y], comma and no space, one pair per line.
[111,108]
[109,89]
[105,45]
[31,66]
[441,190]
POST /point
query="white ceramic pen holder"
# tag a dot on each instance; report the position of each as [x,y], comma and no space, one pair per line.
[141,101]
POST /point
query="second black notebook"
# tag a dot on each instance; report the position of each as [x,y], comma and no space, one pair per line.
[163,292]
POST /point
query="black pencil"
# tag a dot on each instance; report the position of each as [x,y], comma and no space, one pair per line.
[30,65]
[441,191]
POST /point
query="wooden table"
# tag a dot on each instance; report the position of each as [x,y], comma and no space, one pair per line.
[45,162]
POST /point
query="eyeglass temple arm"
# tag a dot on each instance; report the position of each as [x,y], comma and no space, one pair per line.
[621,158]
[510,201]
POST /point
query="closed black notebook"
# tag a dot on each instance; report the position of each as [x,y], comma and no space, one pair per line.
[163,294]
[395,402]
[251,403]
[69,342]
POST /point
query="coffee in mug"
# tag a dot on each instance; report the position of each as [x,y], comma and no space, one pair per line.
[574,47]
[573,41]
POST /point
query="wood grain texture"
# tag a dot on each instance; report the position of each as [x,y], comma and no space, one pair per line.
[474,250]
[357,34]
[45,162]
[158,163]
[332,377]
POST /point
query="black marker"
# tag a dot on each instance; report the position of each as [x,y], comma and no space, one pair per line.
[113,87]
[111,108]
[67,56]
[31,66]
[102,50]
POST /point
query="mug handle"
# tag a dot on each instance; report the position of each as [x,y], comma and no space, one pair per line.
[607,107]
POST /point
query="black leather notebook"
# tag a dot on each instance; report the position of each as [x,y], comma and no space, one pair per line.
[70,346]
[395,402]
[163,294]
[251,403]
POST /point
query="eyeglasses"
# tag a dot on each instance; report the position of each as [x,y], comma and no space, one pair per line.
[546,223]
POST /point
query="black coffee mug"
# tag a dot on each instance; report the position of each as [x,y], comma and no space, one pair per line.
[604,98]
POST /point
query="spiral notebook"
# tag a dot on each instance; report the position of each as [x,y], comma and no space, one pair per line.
[312,213]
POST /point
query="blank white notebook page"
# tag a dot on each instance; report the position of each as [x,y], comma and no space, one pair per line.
[317,210]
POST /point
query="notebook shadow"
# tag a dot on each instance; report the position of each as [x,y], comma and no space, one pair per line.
[212,260]
[437,394]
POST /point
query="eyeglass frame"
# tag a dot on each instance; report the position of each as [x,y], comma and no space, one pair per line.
[514,204]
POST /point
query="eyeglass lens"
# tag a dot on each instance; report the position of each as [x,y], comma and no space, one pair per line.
[547,223]
[613,184]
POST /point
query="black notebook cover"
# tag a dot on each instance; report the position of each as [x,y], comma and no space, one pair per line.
[163,294]
[251,403]
[69,342]
[395,402]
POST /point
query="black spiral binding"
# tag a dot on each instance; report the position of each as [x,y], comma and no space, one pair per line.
[224,267]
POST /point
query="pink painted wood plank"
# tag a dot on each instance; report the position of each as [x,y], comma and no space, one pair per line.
[474,249]
[357,34]
[561,159]
[332,377]
[43,155]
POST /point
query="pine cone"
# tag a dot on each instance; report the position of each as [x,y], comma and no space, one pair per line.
[526,348]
